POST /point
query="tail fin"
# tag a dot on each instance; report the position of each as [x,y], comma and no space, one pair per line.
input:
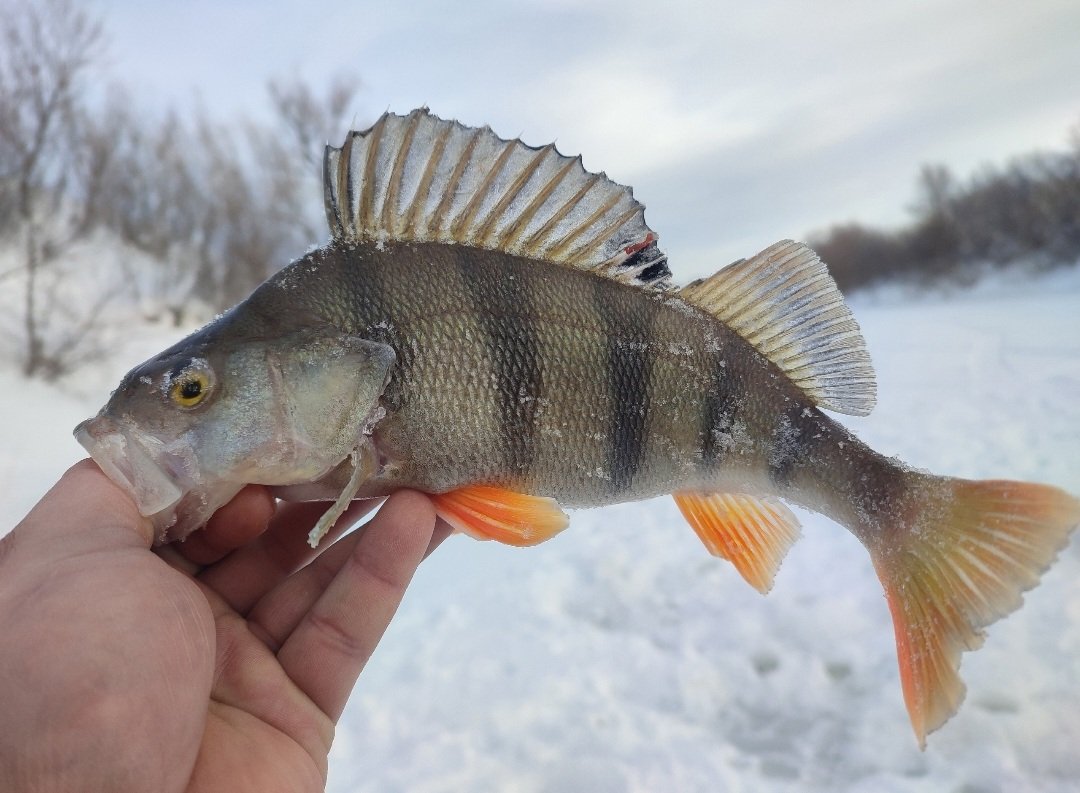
[961,561]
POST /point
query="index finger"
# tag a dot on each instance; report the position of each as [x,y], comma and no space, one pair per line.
[329,648]
[233,526]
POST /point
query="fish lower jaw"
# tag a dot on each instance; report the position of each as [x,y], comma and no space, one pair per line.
[131,464]
[192,511]
[165,486]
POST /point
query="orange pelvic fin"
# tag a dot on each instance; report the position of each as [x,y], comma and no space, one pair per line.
[957,565]
[491,513]
[751,532]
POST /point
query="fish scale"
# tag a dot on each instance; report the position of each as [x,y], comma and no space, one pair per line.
[497,327]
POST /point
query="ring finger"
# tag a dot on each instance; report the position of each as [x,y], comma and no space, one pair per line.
[248,573]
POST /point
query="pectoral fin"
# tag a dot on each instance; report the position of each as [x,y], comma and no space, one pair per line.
[752,533]
[491,513]
[363,460]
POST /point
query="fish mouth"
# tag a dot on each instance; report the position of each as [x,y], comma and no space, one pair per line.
[128,458]
[140,465]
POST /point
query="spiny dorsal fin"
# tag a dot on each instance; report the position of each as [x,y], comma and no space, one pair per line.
[784,302]
[420,178]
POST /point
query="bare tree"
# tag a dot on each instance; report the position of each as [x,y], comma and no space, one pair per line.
[1026,214]
[308,118]
[148,192]
[857,255]
[263,185]
[306,121]
[216,207]
[46,50]
[206,210]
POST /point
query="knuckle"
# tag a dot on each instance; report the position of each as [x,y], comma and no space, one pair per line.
[337,638]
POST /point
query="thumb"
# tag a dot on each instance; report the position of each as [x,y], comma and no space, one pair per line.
[85,510]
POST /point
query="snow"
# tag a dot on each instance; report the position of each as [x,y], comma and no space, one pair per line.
[620,656]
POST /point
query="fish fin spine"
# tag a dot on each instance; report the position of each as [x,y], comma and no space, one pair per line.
[784,302]
[491,513]
[753,533]
[960,564]
[420,178]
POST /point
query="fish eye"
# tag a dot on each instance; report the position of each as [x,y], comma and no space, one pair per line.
[191,386]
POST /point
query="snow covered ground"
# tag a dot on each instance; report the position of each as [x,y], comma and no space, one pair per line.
[620,656]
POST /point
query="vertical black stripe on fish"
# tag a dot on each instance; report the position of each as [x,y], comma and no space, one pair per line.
[500,295]
[791,444]
[718,412]
[629,361]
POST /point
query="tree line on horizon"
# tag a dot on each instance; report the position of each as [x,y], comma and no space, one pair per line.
[208,209]
[1026,214]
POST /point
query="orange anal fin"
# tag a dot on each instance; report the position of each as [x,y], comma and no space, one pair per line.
[960,563]
[491,513]
[751,532]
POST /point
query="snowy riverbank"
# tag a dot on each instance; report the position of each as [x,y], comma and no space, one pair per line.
[621,656]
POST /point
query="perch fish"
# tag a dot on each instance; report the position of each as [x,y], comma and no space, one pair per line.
[494,325]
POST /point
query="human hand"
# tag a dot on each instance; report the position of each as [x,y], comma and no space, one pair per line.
[217,664]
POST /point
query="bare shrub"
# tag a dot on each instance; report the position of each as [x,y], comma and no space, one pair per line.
[219,206]
[208,210]
[47,51]
[857,255]
[263,185]
[1027,213]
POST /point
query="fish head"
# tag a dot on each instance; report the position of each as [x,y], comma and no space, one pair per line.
[186,430]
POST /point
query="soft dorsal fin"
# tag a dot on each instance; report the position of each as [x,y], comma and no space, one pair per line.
[420,178]
[784,302]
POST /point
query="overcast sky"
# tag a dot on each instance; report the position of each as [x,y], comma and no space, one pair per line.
[737,123]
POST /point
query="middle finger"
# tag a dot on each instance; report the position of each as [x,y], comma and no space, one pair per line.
[278,614]
[243,577]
